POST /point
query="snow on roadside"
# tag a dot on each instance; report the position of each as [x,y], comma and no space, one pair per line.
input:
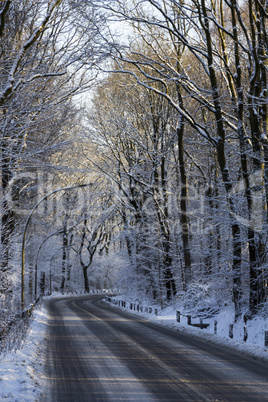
[21,370]
[254,346]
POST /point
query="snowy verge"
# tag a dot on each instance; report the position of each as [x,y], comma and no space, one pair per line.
[254,346]
[21,370]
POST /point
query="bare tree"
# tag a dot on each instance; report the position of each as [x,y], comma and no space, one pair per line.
[228,99]
[46,60]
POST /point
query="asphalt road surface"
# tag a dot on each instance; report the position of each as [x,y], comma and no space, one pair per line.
[98,353]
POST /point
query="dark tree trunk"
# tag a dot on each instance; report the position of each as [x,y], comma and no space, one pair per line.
[236,232]
[8,217]
[185,230]
[64,255]
[86,283]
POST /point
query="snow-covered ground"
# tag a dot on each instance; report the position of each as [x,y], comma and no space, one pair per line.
[21,372]
[256,328]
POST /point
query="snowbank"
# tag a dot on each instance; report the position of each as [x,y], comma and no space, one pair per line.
[256,328]
[21,371]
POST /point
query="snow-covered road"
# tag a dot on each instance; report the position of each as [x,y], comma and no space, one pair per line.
[97,352]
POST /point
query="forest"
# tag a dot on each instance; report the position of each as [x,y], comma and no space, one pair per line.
[134,151]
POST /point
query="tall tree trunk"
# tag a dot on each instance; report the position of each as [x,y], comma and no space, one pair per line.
[236,232]
[64,253]
[257,107]
[70,242]
[161,206]
[86,283]
[185,229]
[167,261]
[7,220]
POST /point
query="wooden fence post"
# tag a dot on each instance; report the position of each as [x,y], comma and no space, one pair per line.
[231,331]
[178,316]
[245,334]
[215,327]
[266,339]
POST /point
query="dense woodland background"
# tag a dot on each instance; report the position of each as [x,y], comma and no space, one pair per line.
[160,108]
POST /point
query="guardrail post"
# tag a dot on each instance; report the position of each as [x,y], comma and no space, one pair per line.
[245,334]
[150,310]
[215,327]
[189,320]
[156,311]
[231,331]
[266,338]
[201,323]
[178,316]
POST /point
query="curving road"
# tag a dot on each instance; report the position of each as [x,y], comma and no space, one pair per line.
[98,353]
